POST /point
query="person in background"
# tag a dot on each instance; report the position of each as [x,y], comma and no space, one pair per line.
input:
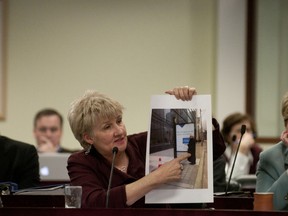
[192,150]
[219,161]
[249,150]
[96,122]
[48,130]
[19,163]
[272,174]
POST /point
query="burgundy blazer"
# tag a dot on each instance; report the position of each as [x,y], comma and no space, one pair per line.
[92,171]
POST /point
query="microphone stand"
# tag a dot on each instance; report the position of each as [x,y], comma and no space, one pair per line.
[243,129]
[114,151]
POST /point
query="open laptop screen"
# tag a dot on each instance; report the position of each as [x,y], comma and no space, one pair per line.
[52,166]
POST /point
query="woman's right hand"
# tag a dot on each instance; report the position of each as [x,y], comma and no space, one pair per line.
[168,172]
[171,171]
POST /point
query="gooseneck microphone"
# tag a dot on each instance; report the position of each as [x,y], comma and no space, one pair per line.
[114,151]
[243,129]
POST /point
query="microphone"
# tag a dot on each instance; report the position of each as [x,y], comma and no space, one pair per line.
[114,151]
[243,129]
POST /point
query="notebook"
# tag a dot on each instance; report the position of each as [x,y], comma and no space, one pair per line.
[52,166]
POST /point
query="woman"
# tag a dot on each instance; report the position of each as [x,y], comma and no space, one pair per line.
[96,122]
[272,174]
[249,151]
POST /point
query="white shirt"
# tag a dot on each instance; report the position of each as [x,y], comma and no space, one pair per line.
[242,163]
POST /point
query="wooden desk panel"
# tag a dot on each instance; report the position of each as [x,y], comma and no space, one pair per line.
[58,201]
[34,205]
[33,201]
[232,203]
[132,212]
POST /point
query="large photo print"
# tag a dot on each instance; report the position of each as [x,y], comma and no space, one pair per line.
[176,127]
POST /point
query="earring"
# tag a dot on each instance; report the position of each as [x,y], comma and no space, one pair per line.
[88,150]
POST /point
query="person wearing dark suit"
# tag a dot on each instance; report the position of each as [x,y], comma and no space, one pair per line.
[18,163]
[48,130]
[272,169]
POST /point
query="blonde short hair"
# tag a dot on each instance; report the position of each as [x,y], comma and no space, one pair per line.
[88,110]
[285,107]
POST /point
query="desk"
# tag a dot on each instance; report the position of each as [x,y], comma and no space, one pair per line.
[35,205]
[132,212]
[15,201]
[244,203]
[58,201]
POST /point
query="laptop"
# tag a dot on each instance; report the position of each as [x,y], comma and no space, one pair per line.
[52,166]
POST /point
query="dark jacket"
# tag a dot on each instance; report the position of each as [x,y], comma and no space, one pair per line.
[219,146]
[18,163]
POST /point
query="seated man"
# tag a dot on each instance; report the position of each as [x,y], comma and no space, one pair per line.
[272,170]
[48,125]
[19,163]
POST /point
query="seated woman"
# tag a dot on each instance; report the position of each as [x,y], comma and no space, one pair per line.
[249,150]
[96,122]
[272,174]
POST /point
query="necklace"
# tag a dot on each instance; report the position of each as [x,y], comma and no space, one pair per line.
[123,166]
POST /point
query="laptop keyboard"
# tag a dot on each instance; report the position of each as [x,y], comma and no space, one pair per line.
[188,177]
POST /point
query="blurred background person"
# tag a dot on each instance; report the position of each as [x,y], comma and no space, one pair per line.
[48,129]
[249,150]
[272,174]
[18,163]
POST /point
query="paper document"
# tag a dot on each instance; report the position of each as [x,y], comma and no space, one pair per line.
[176,127]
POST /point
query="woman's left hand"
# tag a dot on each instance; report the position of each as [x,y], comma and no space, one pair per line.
[184,93]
